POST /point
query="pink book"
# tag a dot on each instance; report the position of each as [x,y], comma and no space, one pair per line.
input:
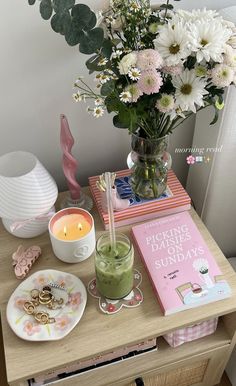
[183,272]
[175,199]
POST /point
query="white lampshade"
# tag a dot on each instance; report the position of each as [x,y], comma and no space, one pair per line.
[26,188]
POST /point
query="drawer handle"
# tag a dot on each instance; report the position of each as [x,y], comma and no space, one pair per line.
[139,382]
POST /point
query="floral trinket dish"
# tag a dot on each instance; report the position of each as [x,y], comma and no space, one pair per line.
[66,318]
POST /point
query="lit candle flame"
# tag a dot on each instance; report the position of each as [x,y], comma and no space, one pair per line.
[80,226]
[65,230]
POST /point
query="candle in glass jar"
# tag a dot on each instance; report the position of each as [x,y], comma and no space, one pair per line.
[71,227]
[72,234]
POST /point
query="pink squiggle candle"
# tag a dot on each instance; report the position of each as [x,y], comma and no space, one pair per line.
[69,163]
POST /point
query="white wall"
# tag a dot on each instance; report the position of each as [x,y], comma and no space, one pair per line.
[37,71]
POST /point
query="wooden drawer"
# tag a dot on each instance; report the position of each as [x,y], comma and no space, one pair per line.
[192,360]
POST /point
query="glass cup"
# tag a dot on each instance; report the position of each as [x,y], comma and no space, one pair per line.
[114,269]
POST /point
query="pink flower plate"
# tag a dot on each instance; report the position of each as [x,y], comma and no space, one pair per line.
[66,318]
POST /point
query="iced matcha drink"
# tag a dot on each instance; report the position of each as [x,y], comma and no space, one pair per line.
[114,269]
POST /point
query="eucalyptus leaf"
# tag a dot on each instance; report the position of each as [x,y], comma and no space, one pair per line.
[82,12]
[117,122]
[166,6]
[46,9]
[91,41]
[107,87]
[60,6]
[107,48]
[73,36]
[91,23]
[92,63]
[57,23]
[113,103]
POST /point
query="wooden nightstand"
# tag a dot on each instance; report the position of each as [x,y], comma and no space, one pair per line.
[198,363]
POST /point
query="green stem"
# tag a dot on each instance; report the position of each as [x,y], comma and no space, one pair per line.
[167,3]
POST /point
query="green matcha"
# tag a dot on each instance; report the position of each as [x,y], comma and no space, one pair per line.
[114,270]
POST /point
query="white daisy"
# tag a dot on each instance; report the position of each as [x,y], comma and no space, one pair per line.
[173,43]
[134,73]
[125,96]
[222,75]
[98,112]
[210,39]
[196,14]
[190,90]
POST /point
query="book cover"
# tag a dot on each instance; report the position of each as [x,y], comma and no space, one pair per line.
[183,272]
[174,199]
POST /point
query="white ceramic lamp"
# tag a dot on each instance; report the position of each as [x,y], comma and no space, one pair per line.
[27,189]
[27,194]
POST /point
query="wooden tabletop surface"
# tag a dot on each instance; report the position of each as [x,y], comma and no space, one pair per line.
[96,332]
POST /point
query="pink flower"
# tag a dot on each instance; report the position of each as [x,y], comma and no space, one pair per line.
[40,281]
[149,59]
[150,82]
[19,302]
[75,300]
[173,70]
[190,160]
[62,322]
[110,307]
[138,297]
[31,328]
[64,281]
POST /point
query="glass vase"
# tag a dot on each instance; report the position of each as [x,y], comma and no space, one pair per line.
[150,162]
[114,269]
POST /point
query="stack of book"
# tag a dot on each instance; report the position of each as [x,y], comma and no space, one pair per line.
[175,199]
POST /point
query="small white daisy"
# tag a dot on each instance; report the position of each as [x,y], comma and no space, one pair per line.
[116,54]
[77,97]
[104,78]
[102,62]
[134,73]
[98,112]
[125,96]
[98,102]
[135,7]
[97,77]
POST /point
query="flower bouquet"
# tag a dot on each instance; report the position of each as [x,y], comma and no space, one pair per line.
[153,69]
